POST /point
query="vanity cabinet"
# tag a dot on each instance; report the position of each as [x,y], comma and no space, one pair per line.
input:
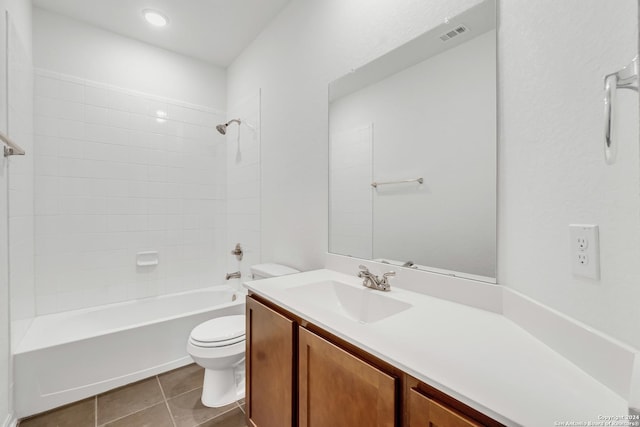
[338,389]
[426,406]
[426,412]
[300,375]
[270,361]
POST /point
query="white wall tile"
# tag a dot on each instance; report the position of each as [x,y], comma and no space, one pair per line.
[71,148]
[71,129]
[120,100]
[47,205]
[111,180]
[97,96]
[46,165]
[46,86]
[96,115]
[97,133]
[47,145]
[120,119]
[68,91]
[46,126]
[46,303]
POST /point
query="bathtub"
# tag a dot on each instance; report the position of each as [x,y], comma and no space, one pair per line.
[65,357]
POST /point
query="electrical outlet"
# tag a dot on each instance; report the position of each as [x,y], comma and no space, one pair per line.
[583,259]
[585,250]
[582,243]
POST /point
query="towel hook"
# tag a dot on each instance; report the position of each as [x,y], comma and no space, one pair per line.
[625,78]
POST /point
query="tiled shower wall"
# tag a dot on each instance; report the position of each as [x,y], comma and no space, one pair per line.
[119,172]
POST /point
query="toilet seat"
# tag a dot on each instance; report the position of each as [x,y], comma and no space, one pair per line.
[217,343]
[219,332]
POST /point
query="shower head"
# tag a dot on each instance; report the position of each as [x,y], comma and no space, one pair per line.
[223,128]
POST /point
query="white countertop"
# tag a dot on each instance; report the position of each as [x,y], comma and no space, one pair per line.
[478,357]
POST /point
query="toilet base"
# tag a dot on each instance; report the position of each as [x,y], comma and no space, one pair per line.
[221,388]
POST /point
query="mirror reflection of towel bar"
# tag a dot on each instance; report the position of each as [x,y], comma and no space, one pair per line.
[11,148]
[418,180]
[626,78]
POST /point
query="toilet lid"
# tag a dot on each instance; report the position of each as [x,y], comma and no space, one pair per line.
[227,328]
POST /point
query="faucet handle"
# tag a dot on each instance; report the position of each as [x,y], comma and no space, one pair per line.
[363,271]
[384,283]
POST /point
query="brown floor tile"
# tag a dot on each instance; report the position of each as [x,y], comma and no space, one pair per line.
[79,414]
[126,400]
[188,410]
[233,418]
[181,380]
[155,416]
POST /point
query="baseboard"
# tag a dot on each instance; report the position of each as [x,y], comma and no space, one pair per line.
[10,421]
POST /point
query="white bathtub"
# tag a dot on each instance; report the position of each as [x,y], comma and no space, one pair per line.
[68,356]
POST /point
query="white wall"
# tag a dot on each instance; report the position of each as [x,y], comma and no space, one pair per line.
[552,171]
[5,316]
[350,196]
[16,187]
[71,47]
[307,45]
[434,120]
[5,339]
[243,185]
[21,183]
[552,58]
[5,320]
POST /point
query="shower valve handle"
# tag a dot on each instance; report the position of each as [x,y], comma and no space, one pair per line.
[237,251]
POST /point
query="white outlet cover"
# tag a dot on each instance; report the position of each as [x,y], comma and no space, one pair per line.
[584,247]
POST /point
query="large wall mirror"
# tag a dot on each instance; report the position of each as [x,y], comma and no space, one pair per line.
[412,142]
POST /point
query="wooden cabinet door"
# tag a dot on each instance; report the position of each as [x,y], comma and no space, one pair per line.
[270,367]
[337,389]
[425,412]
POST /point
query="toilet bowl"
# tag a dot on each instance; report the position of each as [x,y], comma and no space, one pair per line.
[218,345]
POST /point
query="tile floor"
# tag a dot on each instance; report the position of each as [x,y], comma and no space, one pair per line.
[171,399]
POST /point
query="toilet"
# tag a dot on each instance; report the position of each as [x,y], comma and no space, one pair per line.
[218,345]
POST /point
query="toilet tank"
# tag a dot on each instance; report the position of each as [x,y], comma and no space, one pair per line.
[264,271]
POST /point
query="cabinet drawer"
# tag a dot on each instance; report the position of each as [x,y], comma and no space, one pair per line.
[426,412]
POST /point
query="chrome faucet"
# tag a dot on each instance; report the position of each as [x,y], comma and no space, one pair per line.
[235,275]
[374,282]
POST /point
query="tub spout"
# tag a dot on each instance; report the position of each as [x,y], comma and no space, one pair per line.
[235,275]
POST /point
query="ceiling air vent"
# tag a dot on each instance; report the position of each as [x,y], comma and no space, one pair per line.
[453,33]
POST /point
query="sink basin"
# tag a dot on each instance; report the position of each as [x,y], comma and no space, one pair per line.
[362,304]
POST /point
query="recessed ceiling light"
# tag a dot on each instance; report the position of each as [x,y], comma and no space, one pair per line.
[155,18]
